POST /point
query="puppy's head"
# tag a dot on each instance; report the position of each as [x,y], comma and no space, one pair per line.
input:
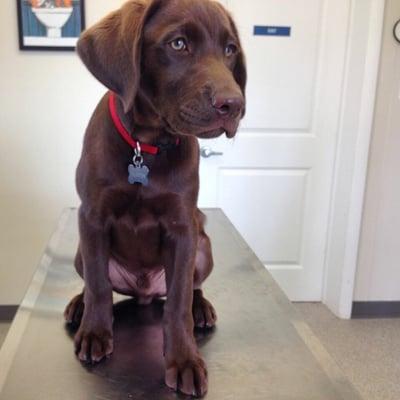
[176,63]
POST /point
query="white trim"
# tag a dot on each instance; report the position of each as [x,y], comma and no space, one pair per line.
[352,153]
[48,41]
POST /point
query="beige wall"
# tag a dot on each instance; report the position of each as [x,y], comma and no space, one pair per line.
[378,272]
[46,99]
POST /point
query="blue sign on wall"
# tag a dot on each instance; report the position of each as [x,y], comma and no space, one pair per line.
[272,30]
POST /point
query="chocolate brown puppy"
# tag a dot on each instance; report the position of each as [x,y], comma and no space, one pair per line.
[176,72]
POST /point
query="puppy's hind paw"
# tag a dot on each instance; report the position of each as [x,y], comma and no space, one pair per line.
[74,311]
[204,314]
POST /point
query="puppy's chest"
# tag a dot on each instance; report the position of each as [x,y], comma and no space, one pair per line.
[137,217]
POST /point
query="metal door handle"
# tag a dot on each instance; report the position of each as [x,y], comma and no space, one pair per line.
[207,152]
[396,31]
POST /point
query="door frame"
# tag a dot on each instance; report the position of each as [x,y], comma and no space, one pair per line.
[352,152]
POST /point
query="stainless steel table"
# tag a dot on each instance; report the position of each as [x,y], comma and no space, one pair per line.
[261,349]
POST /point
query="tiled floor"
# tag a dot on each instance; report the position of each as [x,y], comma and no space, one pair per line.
[368,351]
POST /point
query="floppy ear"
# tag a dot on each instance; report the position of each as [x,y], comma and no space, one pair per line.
[239,71]
[111,49]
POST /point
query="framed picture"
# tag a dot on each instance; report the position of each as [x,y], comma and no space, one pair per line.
[50,24]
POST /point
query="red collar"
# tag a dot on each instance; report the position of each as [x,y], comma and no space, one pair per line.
[145,148]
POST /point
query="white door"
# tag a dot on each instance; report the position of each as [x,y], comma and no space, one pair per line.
[274,179]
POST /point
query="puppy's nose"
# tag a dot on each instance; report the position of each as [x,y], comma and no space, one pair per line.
[228,105]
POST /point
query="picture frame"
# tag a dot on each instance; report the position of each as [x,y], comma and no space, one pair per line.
[50,24]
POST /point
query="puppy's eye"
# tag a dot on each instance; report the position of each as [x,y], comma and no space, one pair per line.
[230,49]
[178,44]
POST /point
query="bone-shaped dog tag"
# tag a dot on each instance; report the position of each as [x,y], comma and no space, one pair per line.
[138,174]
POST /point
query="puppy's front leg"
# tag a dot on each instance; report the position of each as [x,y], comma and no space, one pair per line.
[93,340]
[185,369]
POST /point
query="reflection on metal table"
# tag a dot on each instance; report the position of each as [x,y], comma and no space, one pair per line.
[260,349]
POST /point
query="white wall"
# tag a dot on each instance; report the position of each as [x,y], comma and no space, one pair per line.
[378,272]
[46,99]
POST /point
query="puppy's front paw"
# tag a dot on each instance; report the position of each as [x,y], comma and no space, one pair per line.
[188,377]
[92,344]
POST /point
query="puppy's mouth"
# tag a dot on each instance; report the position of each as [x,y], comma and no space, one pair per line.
[213,133]
[203,128]
[219,129]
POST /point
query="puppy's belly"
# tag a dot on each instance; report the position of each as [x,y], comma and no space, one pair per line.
[142,284]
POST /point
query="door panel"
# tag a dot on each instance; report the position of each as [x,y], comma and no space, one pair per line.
[261,190]
[281,83]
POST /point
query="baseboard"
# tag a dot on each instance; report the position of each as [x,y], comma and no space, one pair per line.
[7,312]
[376,309]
